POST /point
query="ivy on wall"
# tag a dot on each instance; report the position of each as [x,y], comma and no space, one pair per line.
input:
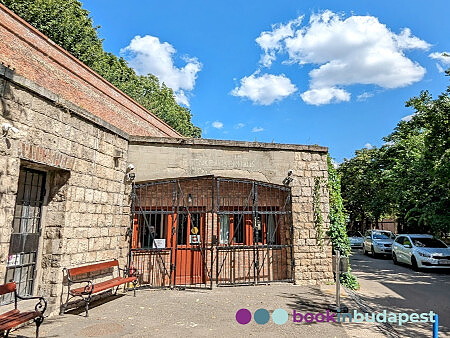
[318,218]
[337,231]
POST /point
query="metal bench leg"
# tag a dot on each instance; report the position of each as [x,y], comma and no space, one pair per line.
[134,288]
[86,301]
[7,333]
[38,321]
[64,306]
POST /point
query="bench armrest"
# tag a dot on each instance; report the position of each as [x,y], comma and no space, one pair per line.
[130,272]
[41,306]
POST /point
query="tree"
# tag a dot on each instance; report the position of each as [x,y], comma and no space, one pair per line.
[409,175]
[69,25]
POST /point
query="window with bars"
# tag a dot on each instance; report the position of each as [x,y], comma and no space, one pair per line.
[26,230]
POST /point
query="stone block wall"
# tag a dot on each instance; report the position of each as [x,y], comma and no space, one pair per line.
[86,210]
[161,158]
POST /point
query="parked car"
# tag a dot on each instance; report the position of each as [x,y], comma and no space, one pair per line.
[378,242]
[421,251]
[356,239]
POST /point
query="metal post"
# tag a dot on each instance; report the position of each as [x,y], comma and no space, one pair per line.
[338,279]
[436,326]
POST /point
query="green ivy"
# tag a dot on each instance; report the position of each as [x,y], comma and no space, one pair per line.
[318,218]
[337,231]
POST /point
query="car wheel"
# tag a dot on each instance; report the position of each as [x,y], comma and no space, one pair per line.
[374,254]
[394,258]
[414,263]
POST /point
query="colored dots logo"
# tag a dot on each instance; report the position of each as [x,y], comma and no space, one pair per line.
[262,316]
[279,316]
[243,316]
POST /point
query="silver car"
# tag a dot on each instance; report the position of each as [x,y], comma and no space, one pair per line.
[356,239]
[421,251]
[378,242]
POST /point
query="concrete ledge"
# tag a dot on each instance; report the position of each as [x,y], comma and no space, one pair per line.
[206,143]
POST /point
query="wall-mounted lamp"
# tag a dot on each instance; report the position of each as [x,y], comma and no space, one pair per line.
[6,128]
[130,174]
[288,178]
[189,198]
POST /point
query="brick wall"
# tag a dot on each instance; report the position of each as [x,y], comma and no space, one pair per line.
[34,56]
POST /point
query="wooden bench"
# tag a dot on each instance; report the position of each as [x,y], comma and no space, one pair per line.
[86,292]
[13,318]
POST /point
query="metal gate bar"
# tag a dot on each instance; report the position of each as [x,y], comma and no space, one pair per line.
[187,232]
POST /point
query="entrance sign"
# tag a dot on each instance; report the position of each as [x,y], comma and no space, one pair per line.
[159,243]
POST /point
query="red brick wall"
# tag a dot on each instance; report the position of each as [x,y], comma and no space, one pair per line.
[35,57]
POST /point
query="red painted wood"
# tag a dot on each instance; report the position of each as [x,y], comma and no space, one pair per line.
[7,288]
[93,267]
[105,285]
[12,319]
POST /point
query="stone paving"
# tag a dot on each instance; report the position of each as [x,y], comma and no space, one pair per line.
[202,313]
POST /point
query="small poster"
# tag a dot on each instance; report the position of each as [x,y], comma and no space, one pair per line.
[194,239]
[159,243]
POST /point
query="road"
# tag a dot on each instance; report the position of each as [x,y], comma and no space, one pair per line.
[385,286]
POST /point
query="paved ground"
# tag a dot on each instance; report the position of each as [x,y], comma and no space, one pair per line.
[202,313]
[211,313]
[400,289]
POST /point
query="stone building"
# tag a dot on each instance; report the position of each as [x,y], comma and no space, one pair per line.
[66,197]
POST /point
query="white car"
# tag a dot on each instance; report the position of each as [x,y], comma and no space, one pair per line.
[356,239]
[378,242]
[421,251]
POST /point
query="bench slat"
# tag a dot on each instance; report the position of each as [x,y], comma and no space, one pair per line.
[17,318]
[105,285]
[7,288]
[92,267]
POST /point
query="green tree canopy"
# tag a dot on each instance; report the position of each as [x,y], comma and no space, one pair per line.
[69,25]
[409,175]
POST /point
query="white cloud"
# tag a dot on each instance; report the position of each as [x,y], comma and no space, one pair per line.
[239,125]
[217,125]
[407,118]
[270,41]
[325,95]
[364,96]
[264,89]
[148,55]
[368,146]
[355,50]
[406,41]
[443,57]
[257,129]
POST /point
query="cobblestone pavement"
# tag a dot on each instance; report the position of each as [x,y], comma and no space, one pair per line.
[202,313]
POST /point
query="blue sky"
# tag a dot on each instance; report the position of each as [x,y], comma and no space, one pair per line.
[333,73]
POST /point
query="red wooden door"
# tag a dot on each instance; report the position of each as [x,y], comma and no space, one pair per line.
[188,240]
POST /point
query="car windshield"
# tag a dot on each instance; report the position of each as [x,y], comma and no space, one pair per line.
[354,234]
[427,242]
[381,235]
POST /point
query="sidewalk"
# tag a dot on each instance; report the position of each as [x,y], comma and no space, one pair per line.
[203,313]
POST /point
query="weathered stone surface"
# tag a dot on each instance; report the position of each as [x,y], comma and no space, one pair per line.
[157,158]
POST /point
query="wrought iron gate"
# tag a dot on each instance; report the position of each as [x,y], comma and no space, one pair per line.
[190,232]
[260,247]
